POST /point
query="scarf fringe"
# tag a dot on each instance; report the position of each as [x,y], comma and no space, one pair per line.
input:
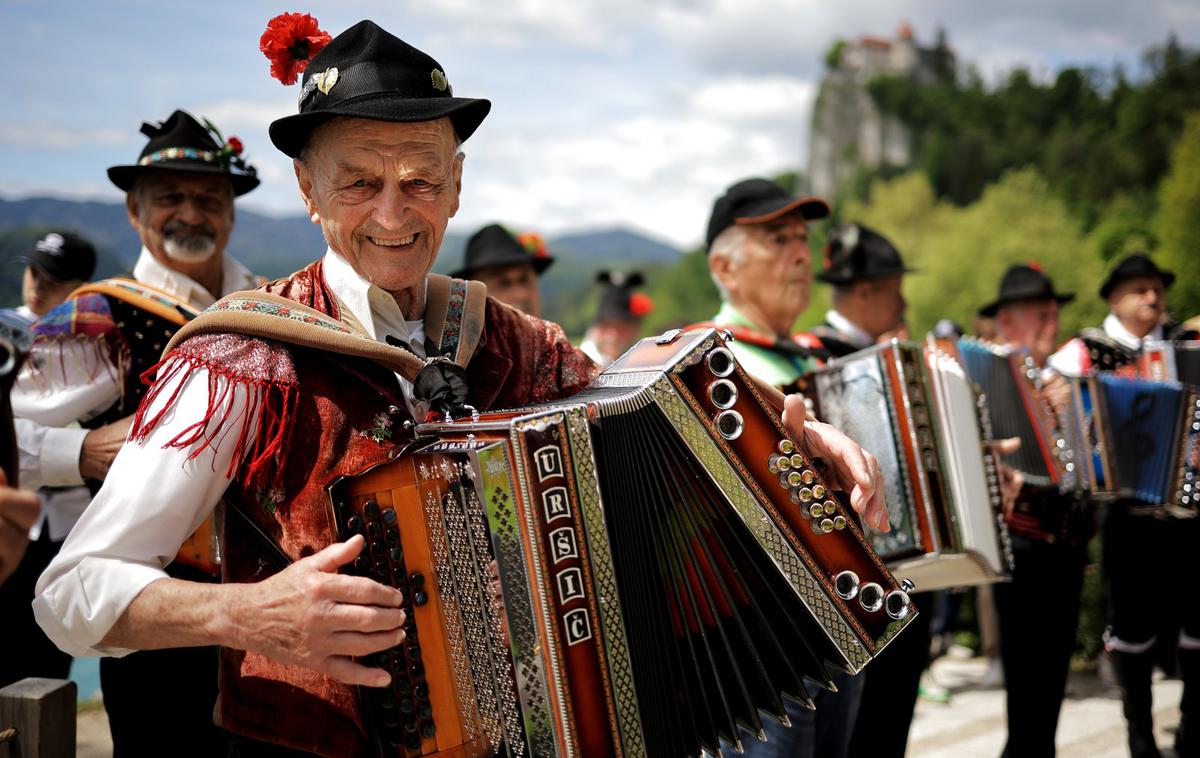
[271,405]
[107,353]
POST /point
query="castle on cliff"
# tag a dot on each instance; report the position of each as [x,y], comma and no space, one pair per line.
[848,131]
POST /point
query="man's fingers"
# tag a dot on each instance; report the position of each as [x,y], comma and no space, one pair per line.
[364,643]
[1006,446]
[366,618]
[348,672]
[794,412]
[338,554]
[358,590]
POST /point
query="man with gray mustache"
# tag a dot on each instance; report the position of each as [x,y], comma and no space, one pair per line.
[75,398]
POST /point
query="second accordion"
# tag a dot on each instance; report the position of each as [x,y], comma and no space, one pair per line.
[671,566]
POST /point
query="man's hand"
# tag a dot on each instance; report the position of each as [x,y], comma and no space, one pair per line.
[1056,394]
[100,446]
[309,615]
[848,467]
[18,512]
[1011,480]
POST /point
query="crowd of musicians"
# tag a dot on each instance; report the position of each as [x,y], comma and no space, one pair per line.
[125,471]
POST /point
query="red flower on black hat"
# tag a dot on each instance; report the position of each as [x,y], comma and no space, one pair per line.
[640,304]
[533,244]
[235,145]
[290,41]
[1034,265]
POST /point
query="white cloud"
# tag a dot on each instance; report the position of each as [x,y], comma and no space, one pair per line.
[55,137]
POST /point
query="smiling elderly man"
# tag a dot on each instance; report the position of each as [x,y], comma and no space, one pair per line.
[378,166]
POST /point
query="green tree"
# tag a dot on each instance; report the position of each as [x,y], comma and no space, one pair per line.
[1177,224]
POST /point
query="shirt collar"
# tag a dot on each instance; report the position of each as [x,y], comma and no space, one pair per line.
[370,307]
[234,277]
[730,315]
[1115,329]
[848,329]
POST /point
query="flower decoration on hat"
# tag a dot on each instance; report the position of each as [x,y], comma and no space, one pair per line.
[1034,265]
[229,154]
[640,304]
[290,42]
[534,244]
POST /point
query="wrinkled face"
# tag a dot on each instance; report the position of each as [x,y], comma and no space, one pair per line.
[1139,303]
[1031,324]
[182,217]
[775,275]
[884,305]
[383,193]
[516,285]
[41,293]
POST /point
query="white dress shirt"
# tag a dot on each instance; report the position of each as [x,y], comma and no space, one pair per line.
[132,531]
[65,384]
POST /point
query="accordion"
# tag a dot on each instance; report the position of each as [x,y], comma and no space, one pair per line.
[670,565]
[915,410]
[1135,438]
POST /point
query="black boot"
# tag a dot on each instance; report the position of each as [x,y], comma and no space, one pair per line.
[1133,675]
[1187,738]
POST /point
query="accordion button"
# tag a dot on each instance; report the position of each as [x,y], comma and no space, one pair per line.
[815,510]
[427,730]
[808,477]
[377,547]
[410,725]
[362,564]
[806,494]
[830,507]
[374,530]
[392,535]
[417,670]
[417,580]
[420,598]
[421,691]
[839,522]
[386,699]
[391,719]
[818,492]
[389,516]
[797,461]
[395,554]
[406,705]
[827,525]
[382,571]
[354,524]
[414,652]
[413,743]
[371,508]
[425,712]
[785,446]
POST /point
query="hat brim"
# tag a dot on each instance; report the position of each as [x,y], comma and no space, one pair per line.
[991,309]
[830,277]
[762,212]
[126,176]
[540,264]
[1168,278]
[290,134]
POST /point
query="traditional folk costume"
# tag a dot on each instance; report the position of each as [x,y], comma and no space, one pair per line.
[87,363]
[1140,545]
[269,423]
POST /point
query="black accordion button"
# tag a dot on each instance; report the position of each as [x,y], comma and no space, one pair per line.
[414,652]
[406,705]
[371,508]
[427,730]
[363,564]
[354,524]
[425,712]
[410,725]
[395,554]
[413,743]
[392,535]
[421,691]
[374,531]
[417,670]
[417,580]
[389,516]
[420,598]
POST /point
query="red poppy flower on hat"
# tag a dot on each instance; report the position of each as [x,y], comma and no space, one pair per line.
[640,304]
[236,145]
[534,244]
[1034,265]
[290,41]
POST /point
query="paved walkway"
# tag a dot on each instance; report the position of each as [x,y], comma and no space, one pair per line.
[971,724]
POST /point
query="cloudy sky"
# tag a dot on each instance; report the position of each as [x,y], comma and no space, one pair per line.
[632,112]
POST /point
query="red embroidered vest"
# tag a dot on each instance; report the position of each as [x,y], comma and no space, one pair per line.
[322,416]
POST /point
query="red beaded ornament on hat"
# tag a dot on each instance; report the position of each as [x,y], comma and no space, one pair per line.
[290,42]
[640,304]
[533,244]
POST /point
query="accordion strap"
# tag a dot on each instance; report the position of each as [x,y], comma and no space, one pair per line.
[453,321]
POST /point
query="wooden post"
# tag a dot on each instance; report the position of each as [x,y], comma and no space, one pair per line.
[42,713]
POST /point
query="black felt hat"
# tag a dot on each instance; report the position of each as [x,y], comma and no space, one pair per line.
[855,253]
[1138,264]
[63,256]
[757,201]
[365,72]
[1022,282]
[493,245]
[618,300]
[181,143]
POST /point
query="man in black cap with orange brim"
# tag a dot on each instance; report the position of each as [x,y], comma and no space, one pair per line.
[1142,544]
[269,425]
[510,266]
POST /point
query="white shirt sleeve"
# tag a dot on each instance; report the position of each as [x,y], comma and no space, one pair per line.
[61,383]
[151,501]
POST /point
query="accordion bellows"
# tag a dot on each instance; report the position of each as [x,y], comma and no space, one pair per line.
[672,568]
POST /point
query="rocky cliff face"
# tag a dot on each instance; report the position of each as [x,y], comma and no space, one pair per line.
[848,131]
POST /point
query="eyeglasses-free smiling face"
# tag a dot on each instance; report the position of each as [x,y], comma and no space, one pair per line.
[383,193]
